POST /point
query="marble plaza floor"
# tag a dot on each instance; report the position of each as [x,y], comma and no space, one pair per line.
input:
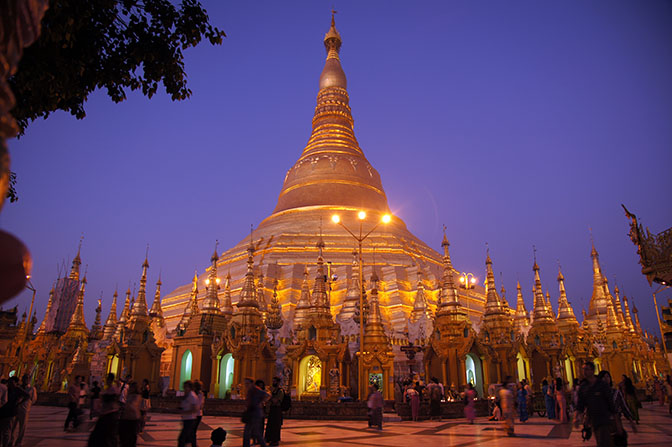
[45,429]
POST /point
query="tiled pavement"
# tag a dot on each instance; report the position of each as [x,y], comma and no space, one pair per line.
[45,430]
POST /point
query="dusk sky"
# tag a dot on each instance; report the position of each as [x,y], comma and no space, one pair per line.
[513,123]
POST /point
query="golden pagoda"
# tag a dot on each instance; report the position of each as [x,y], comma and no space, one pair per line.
[332,175]
[133,350]
[192,347]
[246,340]
[316,356]
[577,344]
[453,342]
[543,339]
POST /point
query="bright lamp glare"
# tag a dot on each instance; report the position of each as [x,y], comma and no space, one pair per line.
[361,215]
[461,278]
[335,218]
[207,282]
[473,280]
[386,218]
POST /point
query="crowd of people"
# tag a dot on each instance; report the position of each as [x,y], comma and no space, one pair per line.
[121,407]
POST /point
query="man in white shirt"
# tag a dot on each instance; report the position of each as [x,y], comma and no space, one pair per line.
[190,407]
[23,410]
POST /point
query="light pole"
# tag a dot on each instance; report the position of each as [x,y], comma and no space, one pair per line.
[467,281]
[660,326]
[29,286]
[361,215]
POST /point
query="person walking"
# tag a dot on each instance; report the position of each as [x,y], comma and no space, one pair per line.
[549,398]
[470,403]
[145,404]
[435,396]
[74,389]
[254,413]
[105,432]
[561,400]
[94,400]
[595,399]
[129,421]
[274,423]
[83,394]
[375,403]
[630,395]
[262,386]
[660,390]
[189,410]
[530,397]
[620,407]
[23,411]
[521,396]
[198,390]
[508,407]
[414,398]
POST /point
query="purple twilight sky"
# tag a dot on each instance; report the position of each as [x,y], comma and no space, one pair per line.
[513,123]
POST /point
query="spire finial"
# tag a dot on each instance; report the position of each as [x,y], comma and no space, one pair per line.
[215,255]
[333,12]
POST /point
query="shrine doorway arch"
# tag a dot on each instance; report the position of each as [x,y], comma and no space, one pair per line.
[474,372]
[310,376]
[185,368]
[226,365]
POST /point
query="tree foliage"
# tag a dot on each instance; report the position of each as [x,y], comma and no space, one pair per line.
[115,45]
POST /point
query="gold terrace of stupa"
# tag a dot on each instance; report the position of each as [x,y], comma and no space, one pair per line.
[332,175]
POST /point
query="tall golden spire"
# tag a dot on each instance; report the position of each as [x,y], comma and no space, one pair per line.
[548,302]
[540,311]
[619,309]
[598,300]
[420,307]
[612,319]
[140,305]
[630,326]
[448,298]
[77,323]
[227,307]
[43,326]
[123,318]
[522,318]
[96,329]
[319,298]
[156,311]
[303,305]
[492,303]
[502,296]
[248,295]
[565,311]
[74,272]
[111,322]
[638,327]
[332,170]
[611,304]
[211,301]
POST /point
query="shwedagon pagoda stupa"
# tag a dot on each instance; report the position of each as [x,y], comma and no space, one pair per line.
[332,175]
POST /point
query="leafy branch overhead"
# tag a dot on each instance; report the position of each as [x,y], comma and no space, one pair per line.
[116,45]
